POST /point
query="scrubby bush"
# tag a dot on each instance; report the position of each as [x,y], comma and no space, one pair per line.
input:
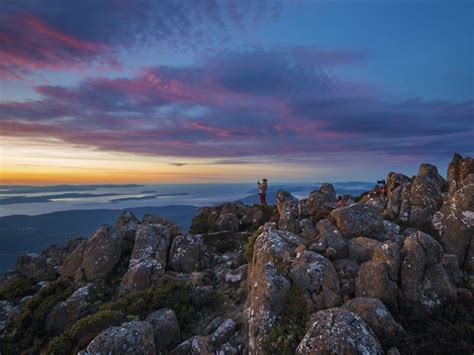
[290,329]
[202,225]
[248,249]
[26,333]
[17,288]
[448,330]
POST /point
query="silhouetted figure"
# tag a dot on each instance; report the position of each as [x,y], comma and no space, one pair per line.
[262,191]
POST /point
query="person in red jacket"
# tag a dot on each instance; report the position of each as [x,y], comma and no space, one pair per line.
[262,191]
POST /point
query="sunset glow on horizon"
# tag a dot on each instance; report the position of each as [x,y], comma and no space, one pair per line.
[193,92]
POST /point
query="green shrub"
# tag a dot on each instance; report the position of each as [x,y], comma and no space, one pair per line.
[26,332]
[168,293]
[17,288]
[95,323]
[290,329]
[202,225]
[248,249]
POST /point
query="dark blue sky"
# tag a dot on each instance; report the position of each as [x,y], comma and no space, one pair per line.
[322,88]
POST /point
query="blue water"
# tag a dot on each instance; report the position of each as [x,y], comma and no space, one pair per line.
[35,200]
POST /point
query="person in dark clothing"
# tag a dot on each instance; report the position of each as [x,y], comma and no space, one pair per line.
[262,191]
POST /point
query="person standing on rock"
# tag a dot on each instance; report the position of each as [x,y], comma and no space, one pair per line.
[262,191]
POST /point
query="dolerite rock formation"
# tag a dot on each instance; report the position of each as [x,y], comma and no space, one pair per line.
[304,276]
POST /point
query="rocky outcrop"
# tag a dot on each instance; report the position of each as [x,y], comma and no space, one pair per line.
[165,329]
[187,253]
[358,220]
[64,314]
[338,331]
[330,237]
[374,281]
[458,171]
[130,338]
[149,256]
[287,207]
[376,315]
[398,197]
[426,195]
[321,202]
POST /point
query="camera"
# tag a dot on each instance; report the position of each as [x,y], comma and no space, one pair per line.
[381,182]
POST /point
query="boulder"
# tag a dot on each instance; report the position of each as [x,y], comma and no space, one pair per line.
[130,338]
[458,170]
[197,345]
[7,311]
[64,314]
[454,223]
[388,253]
[321,202]
[268,283]
[450,263]
[332,238]
[362,249]
[398,197]
[308,231]
[228,222]
[376,315]
[187,254]
[287,207]
[374,281]
[317,277]
[423,279]
[358,220]
[338,331]
[223,332]
[165,328]
[148,261]
[426,195]
[173,228]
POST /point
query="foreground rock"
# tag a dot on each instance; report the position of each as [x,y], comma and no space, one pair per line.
[358,220]
[130,338]
[338,331]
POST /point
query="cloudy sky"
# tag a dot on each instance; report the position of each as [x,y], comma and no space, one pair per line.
[225,91]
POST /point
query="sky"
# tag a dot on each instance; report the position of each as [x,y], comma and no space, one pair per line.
[146,91]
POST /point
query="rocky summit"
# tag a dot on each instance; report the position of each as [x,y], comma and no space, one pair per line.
[389,272]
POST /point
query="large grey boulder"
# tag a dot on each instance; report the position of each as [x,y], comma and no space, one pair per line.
[338,331]
[458,171]
[426,194]
[165,328]
[358,220]
[148,261]
[321,202]
[188,253]
[134,338]
[330,236]
[376,315]
[361,249]
[287,207]
[374,281]
[398,197]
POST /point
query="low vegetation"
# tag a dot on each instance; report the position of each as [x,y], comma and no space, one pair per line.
[26,333]
[17,288]
[450,329]
[248,249]
[290,329]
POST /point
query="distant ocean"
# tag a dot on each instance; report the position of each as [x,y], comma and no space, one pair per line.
[35,200]
[35,217]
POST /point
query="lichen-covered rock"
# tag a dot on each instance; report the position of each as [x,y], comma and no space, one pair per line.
[64,314]
[197,345]
[361,249]
[287,207]
[458,170]
[450,263]
[166,329]
[389,253]
[223,332]
[268,283]
[148,261]
[347,273]
[426,194]
[455,223]
[423,279]
[188,254]
[308,231]
[358,220]
[321,202]
[317,277]
[338,331]
[173,228]
[376,315]
[134,338]
[398,197]
[7,311]
[228,222]
[374,281]
[332,238]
